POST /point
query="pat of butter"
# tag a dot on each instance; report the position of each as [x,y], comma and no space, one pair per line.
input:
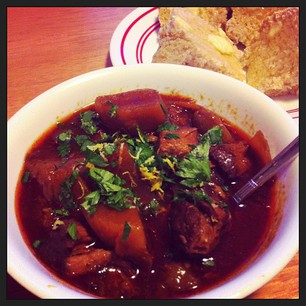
[221,44]
[182,23]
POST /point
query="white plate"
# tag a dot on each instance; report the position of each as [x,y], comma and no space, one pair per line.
[135,41]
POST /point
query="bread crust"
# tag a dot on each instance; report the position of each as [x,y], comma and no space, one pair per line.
[244,24]
[215,15]
[272,59]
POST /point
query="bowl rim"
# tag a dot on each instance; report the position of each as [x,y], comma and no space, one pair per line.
[226,290]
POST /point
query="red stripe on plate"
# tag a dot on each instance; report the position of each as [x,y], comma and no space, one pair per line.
[143,39]
[128,30]
[293,110]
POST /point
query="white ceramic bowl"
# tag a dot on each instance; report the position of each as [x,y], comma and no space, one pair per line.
[234,100]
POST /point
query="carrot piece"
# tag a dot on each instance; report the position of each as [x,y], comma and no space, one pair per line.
[127,110]
[259,143]
[108,224]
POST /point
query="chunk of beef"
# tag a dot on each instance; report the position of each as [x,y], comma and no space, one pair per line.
[55,248]
[115,281]
[196,231]
[176,276]
[140,107]
[51,173]
[177,116]
[184,139]
[231,158]
[86,261]
[205,119]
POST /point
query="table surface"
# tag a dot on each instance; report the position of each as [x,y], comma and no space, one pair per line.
[47,46]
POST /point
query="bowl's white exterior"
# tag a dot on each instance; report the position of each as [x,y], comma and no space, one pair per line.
[236,101]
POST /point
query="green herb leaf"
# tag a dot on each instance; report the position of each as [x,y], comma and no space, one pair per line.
[64,139]
[126,231]
[94,158]
[36,244]
[111,190]
[91,201]
[65,136]
[195,167]
[171,136]
[113,109]
[72,231]
[64,149]
[153,206]
[61,212]
[66,194]
[163,109]
[25,177]
[192,196]
[109,148]
[83,141]
[87,122]
[214,135]
[167,126]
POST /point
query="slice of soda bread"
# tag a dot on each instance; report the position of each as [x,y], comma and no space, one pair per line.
[187,39]
[272,58]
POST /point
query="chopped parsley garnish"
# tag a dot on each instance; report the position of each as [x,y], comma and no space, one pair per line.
[113,109]
[66,194]
[214,135]
[171,136]
[36,244]
[95,158]
[72,231]
[25,177]
[195,167]
[64,139]
[163,109]
[91,200]
[126,231]
[154,204]
[146,159]
[167,126]
[61,212]
[65,136]
[87,122]
[153,207]
[109,148]
[110,192]
[192,196]
[83,141]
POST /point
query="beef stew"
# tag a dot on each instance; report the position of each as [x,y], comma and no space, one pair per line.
[130,197]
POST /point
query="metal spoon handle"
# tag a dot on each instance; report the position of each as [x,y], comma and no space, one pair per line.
[267,172]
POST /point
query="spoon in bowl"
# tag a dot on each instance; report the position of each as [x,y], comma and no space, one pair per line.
[288,154]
